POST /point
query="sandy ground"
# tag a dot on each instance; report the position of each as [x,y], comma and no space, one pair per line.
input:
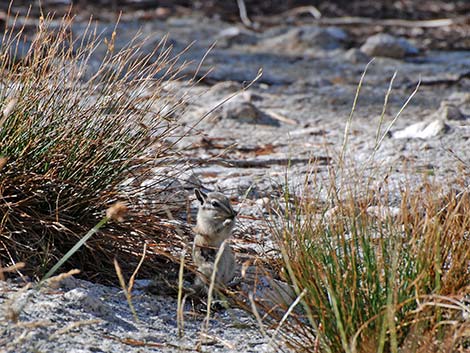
[297,110]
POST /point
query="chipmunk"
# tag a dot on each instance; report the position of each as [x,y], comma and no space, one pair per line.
[215,221]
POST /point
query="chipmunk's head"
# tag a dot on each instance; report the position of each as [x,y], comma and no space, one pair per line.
[216,214]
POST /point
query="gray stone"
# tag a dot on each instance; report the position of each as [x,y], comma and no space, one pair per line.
[386,45]
[236,36]
[448,111]
[356,56]
[422,130]
[242,110]
[80,297]
[459,98]
[225,88]
[308,37]
[315,37]
[264,203]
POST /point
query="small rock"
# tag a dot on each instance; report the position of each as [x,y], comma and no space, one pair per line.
[270,292]
[80,298]
[337,33]
[448,111]
[356,56]
[243,111]
[327,39]
[243,185]
[235,35]
[246,112]
[141,284]
[69,283]
[249,96]
[459,98]
[422,130]
[386,45]
[308,37]
[264,203]
[226,87]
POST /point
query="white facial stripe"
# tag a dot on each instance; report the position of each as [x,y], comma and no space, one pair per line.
[227,208]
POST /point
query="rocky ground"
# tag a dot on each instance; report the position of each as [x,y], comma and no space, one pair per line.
[295,115]
[81,316]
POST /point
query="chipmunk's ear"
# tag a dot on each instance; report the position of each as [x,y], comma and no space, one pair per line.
[200,196]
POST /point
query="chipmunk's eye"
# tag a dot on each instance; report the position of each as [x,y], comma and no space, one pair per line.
[215,203]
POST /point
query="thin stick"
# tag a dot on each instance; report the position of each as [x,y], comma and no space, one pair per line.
[132,279]
[73,326]
[124,289]
[180,303]
[316,346]
[398,114]
[442,22]
[384,108]
[312,10]
[12,268]
[202,61]
[381,119]
[181,299]
[244,14]
[286,315]
[349,121]
[256,314]
[218,339]
[211,287]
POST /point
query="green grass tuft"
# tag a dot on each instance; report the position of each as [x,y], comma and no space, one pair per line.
[375,275]
[74,125]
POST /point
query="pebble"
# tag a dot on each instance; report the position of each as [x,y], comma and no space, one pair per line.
[263,202]
[244,111]
[241,110]
[459,98]
[422,130]
[308,37]
[80,297]
[356,56]
[448,111]
[235,35]
[225,88]
[386,45]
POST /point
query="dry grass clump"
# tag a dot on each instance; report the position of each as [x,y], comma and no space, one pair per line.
[73,126]
[379,278]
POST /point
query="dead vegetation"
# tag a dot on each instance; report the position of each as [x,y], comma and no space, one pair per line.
[378,268]
[71,132]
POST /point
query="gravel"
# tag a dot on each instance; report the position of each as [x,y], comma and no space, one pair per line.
[81,316]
